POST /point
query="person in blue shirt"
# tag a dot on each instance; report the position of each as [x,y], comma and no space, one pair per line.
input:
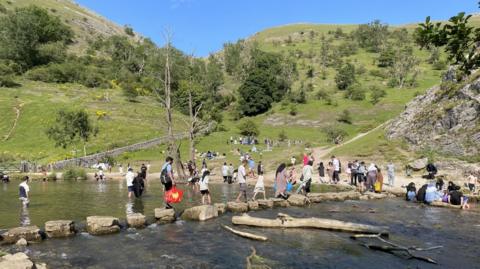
[167,178]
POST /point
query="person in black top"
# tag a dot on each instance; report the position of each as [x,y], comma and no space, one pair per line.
[456,198]
[421,193]
[143,171]
[260,170]
[432,170]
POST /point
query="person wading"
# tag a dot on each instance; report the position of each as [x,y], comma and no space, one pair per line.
[242,181]
[167,178]
[129,177]
[23,191]
[281,182]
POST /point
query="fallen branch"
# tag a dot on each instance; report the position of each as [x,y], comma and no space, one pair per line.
[245,234]
[286,221]
[396,247]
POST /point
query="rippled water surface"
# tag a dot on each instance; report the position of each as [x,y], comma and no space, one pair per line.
[208,245]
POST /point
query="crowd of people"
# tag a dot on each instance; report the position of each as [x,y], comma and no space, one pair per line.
[435,191]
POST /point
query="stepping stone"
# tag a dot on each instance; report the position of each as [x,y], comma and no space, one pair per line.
[60,228]
[164,215]
[201,213]
[136,220]
[100,225]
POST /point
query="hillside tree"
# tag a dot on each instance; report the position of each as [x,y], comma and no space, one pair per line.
[345,76]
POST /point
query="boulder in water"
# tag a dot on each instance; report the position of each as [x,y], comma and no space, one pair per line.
[237,207]
[29,233]
[298,200]
[201,213]
[221,208]
[136,220]
[164,215]
[16,261]
[265,203]
[279,202]
[253,205]
[21,242]
[60,228]
[100,225]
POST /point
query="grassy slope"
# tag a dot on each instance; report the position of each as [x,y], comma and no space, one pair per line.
[86,24]
[126,122]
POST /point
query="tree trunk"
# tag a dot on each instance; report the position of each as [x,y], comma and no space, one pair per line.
[285,221]
[174,150]
[192,127]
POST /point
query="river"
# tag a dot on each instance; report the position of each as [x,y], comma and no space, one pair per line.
[207,245]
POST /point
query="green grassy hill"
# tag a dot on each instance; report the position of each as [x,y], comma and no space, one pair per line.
[86,24]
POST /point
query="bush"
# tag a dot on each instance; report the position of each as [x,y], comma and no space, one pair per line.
[345,76]
[376,94]
[378,73]
[8,82]
[282,136]
[334,134]
[293,110]
[345,117]
[74,173]
[439,65]
[248,127]
[129,30]
[355,93]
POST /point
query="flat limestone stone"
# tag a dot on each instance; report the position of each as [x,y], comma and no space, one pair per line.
[221,208]
[265,203]
[164,215]
[279,202]
[16,261]
[237,207]
[297,200]
[253,205]
[29,233]
[60,228]
[100,225]
[201,213]
[136,220]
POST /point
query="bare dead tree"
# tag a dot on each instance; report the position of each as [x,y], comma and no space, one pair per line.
[194,113]
[173,148]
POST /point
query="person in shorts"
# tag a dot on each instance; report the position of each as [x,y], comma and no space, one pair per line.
[129,177]
[242,181]
[23,190]
[204,188]
[167,173]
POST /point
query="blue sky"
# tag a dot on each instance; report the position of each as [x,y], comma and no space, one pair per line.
[202,26]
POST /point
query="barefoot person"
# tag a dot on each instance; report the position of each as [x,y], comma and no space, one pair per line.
[167,179]
[206,199]
[23,190]
[259,186]
[241,178]
[129,177]
[281,182]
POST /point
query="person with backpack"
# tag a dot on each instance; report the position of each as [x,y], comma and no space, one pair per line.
[204,188]
[306,178]
[167,179]
[138,185]
[23,190]
[143,171]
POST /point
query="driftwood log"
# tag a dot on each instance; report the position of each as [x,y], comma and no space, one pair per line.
[245,234]
[285,221]
[447,205]
[394,248]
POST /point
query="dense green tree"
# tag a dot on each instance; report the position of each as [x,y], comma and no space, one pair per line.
[376,94]
[265,83]
[70,127]
[458,37]
[345,76]
[345,117]
[371,36]
[232,58]
[28,34]
[386,57]
[248,127]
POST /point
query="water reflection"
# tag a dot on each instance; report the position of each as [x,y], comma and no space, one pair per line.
[24,216]
[101,187]
[134,207]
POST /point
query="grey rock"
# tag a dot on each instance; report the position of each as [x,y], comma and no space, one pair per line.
[29,233]
[60,228]
[136,220]
[164,215]
[100,225]
[201,213]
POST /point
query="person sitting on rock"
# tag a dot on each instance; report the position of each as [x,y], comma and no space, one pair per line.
[411,192]
[456,197]
[432,171]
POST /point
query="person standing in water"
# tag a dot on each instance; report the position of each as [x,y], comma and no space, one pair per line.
[242,180]
[225,172]
[23,190]
[167,179]
[204,188]
[391,173]
[129,177]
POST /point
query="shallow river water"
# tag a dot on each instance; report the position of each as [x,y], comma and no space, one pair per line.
[208,245]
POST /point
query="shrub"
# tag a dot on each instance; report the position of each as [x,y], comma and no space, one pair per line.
[439,65]
[248,127]
[345,117]
[74,173]
[345,76]
[355,93]
[334,134]
[282,136]
[8,82]
[322,95]
[293,110]
[129,30]
[376,94]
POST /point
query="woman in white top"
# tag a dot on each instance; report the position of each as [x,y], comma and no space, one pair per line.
[204,188]
[307,173]
[259,186]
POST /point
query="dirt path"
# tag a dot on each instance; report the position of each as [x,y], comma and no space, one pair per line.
[17,109]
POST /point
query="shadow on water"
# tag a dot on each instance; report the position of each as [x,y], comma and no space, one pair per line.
[207,245]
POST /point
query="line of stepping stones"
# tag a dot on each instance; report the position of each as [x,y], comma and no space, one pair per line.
[102,225]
